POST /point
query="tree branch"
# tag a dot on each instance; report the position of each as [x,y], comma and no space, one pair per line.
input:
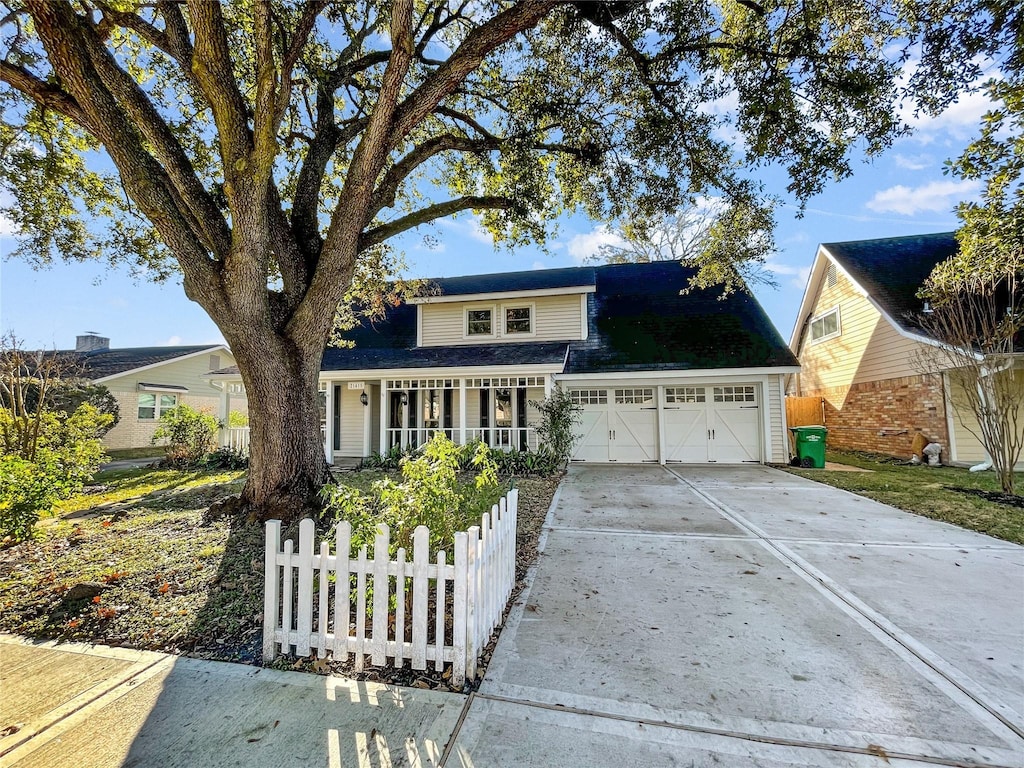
[43,93]
[378,235]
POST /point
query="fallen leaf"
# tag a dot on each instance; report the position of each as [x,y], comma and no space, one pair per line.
[73,623]
[877,751]
[106,523]
[96,599]
[164,588]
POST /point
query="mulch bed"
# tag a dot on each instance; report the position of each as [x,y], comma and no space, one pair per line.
[993,496]
[535,494]
[176,580]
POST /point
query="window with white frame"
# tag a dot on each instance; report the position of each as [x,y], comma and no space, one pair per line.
[479,322]
[634,396]
[589,396]
[684,395]
[825,326]
[743,394]
[518,320]
[152,406]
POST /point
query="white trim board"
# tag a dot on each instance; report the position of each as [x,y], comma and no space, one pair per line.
[502,295]
[178,359]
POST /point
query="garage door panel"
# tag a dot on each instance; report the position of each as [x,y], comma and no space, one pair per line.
[635,436]
[686,435]
[736,435]
[593,443]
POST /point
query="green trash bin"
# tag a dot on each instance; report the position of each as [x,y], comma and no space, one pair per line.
[810,446]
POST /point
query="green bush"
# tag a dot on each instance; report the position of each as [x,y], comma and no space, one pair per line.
[190,436]
[430,493]
[46,457]
[523,463]
[238,419]
[559,418]
[226,458]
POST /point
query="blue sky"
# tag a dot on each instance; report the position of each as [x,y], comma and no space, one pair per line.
[902,192]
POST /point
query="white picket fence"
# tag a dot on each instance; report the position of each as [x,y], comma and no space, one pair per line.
[308,601]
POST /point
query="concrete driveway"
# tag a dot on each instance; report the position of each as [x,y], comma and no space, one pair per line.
[741,616]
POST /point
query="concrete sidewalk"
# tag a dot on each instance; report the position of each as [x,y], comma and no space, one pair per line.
[741,616]
[93,707]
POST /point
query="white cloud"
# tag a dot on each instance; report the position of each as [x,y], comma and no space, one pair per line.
[583,246]
[174,341]
[914,162]
[935,196]
[539,265]
[961,120]
[7,228]
[798,275]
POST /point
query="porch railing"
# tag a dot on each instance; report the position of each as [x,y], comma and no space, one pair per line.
[507,438]
[238,439]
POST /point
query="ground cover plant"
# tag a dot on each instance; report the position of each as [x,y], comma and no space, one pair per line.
[139,560]
[971,500]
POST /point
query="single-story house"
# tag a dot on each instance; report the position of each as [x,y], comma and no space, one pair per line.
[860,343]
[147,381]
[662,374]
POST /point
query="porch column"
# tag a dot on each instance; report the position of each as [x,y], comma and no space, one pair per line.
[329,423]
[462,411]
[548,385]
[384,416]
[225,412]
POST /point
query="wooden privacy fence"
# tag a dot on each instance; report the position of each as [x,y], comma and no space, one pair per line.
[805,411]
[441,612]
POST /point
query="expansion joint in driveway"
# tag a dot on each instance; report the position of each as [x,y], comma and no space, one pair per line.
[870,750]
[996,716]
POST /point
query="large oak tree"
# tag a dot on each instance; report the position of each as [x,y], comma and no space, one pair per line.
[267,151]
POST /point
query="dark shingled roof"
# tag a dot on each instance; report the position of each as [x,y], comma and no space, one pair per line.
[503,282]
[638,321]
[893,269]
[101,363]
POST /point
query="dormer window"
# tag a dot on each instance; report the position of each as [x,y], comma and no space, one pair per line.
[518,320]
[479,322]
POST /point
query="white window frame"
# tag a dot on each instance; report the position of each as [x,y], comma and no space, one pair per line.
[492,308]
[839,325]
[528,305]
[158,408]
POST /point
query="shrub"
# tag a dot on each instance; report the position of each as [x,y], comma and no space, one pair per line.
[226,458]
[559,418]
[190,435]
[238,419]
[47,457]
[523,463]
[430,493]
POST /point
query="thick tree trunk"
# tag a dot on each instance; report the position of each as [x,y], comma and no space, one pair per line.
[287,467]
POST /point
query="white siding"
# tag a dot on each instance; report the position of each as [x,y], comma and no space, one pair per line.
[351,422]
[556,318]
[779,453]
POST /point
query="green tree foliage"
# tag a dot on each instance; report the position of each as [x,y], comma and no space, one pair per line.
[430,493]
[267,151]
[190,435]
[45,454]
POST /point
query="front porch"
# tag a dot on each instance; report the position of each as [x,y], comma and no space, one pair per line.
[360,417]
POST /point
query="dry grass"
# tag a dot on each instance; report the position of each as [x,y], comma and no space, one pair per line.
[173,579]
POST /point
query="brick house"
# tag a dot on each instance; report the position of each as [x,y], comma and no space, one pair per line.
[860,347]
[146,381]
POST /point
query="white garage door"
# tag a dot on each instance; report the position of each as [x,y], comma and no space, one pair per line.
[617,424]
[712,424]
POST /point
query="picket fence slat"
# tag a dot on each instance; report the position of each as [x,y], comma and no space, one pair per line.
[298,597]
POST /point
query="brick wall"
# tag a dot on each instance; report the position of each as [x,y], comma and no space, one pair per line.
[883,416]
[130,432]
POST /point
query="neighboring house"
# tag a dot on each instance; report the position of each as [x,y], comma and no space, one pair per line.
[860,349]
[661,374]
[148,381]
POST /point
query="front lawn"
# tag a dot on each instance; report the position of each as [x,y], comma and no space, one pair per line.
[173,579]
[935,492]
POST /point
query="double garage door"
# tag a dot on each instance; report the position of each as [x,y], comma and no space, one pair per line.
[702,423]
